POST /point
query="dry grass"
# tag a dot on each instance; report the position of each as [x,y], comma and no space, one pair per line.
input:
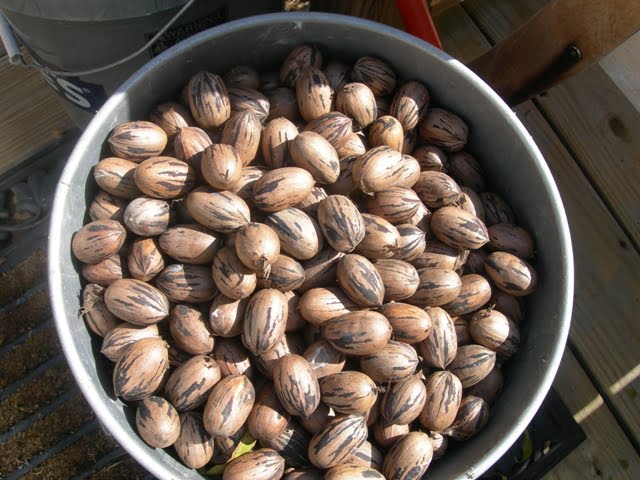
[25,316]
[74,459]
[34,395]
[26,357]
[44,434]
[124,468]
[23,276]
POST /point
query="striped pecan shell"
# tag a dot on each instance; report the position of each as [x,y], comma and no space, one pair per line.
[141,369]
[136,302]
[98,240]
[157,422]
[229,405]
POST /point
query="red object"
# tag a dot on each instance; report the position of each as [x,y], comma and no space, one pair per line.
[417,20]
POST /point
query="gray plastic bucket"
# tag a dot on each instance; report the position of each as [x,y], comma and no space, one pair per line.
[508,154]
[80,35]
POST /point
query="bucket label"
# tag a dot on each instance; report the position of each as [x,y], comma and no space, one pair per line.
[87,96]
[185,30]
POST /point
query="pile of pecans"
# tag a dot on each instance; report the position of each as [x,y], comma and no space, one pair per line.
[302,273]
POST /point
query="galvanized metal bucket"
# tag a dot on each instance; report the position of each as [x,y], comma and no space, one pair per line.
[508,154]
[83,48]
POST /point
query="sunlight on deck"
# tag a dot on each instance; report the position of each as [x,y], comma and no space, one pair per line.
[597,402]
[590,408]
[625,380]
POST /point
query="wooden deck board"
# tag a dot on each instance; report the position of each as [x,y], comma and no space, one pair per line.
[591,114]
[378,10]
[460,37]
[606,453]
[31,117]
[623,67]
[604,330]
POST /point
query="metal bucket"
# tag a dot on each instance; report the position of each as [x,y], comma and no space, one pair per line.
[94,35]
[506,150]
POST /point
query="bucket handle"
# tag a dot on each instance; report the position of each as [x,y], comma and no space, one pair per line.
[17,58]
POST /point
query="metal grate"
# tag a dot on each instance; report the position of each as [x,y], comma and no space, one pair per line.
[551,436]
[30,372]
[84,451]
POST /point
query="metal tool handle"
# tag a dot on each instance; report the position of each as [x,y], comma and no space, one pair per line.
[17,58]
[417,20]
[9,40]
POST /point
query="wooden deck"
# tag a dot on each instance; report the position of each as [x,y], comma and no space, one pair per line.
[588,129]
